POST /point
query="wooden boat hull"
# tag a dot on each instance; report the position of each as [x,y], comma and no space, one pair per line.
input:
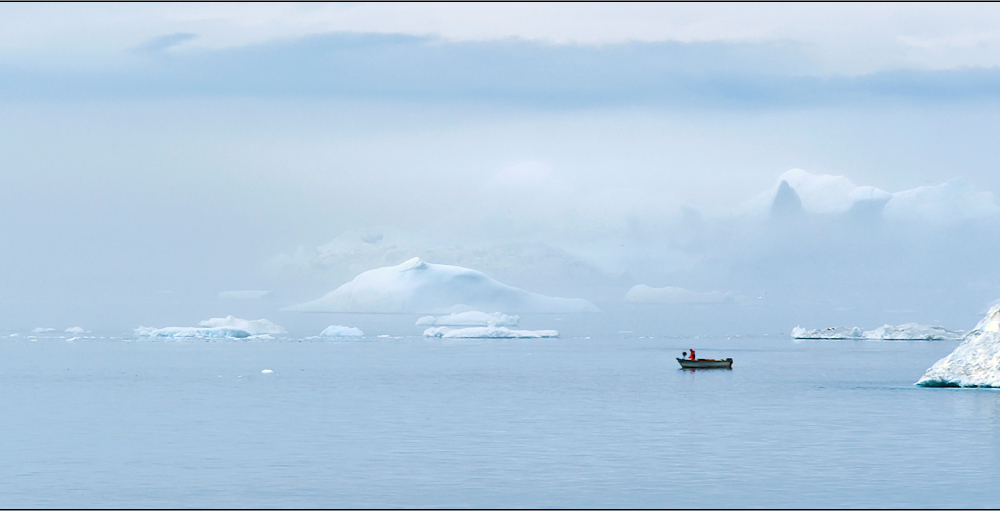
[706,363]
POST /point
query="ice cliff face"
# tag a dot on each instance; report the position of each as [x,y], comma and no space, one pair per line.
[419,287]
[975,362]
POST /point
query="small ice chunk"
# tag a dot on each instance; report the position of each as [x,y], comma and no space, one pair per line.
[491,332]
[471,318]
[341,331]
[267,371]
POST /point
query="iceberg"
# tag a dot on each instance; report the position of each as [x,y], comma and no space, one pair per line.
[912,332]
[975,362]
[341,331]
[470,318]
[218,332]
[642,293]
[837,332]
[42,329]
[253,327]
[75,330]
[490,332]
[416,286]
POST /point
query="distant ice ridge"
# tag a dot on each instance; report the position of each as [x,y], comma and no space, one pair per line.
[912,332]
[341,331]
[227,327]
[837,332]
[493,332]
[644,294]
[416,286]
[190,331]
[975,362]
[253,327]
[471,318]
[904,332]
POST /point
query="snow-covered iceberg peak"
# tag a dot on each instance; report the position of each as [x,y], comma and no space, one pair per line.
[470,318]
[416,286]
[253,327]
[975,362]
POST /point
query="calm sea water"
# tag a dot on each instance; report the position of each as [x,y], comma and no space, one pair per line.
[413,422]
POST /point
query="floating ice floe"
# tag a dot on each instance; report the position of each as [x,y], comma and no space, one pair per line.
[253,327]
[975,362]
[75,330]
[219,332]
[267,371]
[642,293]
[904,332]
[492,332]
[416,286]
[341,331]
[42,329]
[471,318]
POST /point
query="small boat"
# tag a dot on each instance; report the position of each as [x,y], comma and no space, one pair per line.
[706,363]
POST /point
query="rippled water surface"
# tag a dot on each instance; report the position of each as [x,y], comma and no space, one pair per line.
[411,422]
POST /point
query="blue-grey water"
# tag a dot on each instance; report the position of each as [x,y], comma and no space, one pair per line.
[609,421]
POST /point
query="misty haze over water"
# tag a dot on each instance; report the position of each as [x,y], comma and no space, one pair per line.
[705,176]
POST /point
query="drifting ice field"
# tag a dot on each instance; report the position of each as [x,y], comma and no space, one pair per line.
[407,420]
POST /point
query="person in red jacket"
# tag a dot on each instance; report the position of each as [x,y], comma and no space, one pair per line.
[692,354]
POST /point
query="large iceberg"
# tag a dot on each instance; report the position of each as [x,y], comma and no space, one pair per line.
[492,332]
[253,327]
[190,331]
[644,294]
[975,362]
[416,286]
[904,332]
[470,318]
